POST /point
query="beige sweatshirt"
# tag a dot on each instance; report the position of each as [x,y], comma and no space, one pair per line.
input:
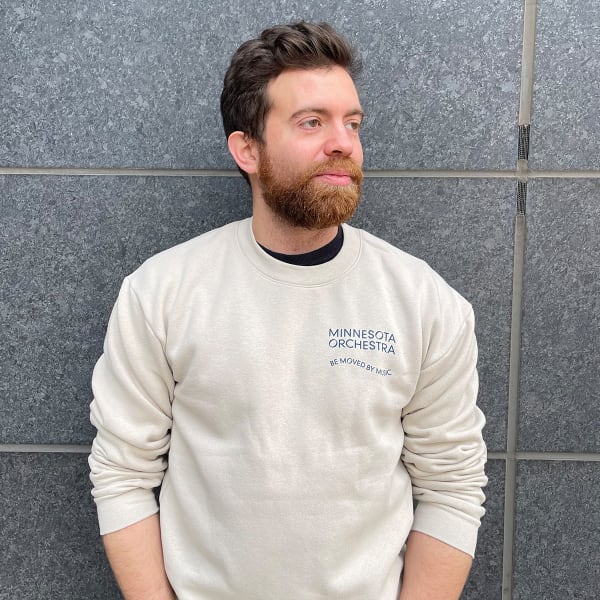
[291,413]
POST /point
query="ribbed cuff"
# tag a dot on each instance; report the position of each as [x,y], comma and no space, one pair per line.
[448,526]
[117,512]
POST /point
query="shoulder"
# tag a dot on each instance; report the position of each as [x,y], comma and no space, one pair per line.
[194,255]
[205,244]
[410,272]
[440,311]
[175,274]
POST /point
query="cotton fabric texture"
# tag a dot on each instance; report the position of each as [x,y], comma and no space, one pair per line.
[291,414]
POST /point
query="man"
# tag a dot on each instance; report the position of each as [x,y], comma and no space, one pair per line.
[292,382]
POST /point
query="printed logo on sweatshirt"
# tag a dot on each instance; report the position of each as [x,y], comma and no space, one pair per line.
[362,339]
[372,340]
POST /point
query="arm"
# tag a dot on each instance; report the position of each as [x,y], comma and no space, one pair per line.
[433,570]
[444,455]
[133,389]
[135,555]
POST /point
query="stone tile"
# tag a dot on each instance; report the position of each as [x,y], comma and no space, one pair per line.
[557,536]
[138,84]
[51,547]
[441,84]
[485,579]
[66,245]
[464,229]
[115,85]
[566,103]
[50,544]
[70,241]
[560,368]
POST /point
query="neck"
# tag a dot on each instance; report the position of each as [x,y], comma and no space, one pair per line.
[275,234]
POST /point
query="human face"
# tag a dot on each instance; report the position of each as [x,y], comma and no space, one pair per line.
[310,159]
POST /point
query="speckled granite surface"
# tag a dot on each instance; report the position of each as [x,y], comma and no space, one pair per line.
[560,383]
[464,229]
[566,101]
[137,84]
[67,244]
[557,536]
[485,579]
[50,545]
[71,241]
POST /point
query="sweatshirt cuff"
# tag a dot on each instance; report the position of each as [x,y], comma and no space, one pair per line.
[447,526]
[117,512]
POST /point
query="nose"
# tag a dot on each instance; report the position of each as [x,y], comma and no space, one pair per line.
[341,141]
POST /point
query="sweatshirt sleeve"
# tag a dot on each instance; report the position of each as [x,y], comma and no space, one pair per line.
[444,452]
[131,410]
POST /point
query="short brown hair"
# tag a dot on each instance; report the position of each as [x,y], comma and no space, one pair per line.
[244,100]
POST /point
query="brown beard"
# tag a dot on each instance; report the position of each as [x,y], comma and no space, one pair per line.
[302,201]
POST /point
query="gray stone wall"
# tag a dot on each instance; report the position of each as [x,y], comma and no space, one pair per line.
[111,149]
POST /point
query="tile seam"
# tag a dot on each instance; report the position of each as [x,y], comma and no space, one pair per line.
[527,61]
[550,456]
[45,448]
[559,456]
[369,173]
[116,172]
[562,174]
[513,406]
[523,174]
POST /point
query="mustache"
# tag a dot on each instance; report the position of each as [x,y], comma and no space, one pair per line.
[344,164]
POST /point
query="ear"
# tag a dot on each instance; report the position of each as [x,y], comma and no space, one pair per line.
[244,151]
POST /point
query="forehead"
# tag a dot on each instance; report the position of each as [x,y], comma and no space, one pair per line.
[329,87]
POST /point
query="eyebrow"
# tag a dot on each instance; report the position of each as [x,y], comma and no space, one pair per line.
[321,111]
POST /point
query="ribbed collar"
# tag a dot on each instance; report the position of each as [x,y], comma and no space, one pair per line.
[305,276]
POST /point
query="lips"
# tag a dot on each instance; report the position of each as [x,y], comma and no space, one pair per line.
[335,177]
[338,172]
[335,180]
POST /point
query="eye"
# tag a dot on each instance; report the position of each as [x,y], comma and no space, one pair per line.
[354,125]
[310,123]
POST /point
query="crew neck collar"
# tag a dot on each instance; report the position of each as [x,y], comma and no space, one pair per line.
[315,257]
[300,275]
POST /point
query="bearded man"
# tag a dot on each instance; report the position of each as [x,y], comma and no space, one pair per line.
[291,383]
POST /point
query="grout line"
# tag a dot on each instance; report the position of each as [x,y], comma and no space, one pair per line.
[509,527]
[548,456]
[525,456]
[442,173]
[496,455]
[563,174]
[46,448]
[559,456]
[117,172]
[527,61]
[518,173]
[523,173]
[90,172]
[537,456]
[513,407]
